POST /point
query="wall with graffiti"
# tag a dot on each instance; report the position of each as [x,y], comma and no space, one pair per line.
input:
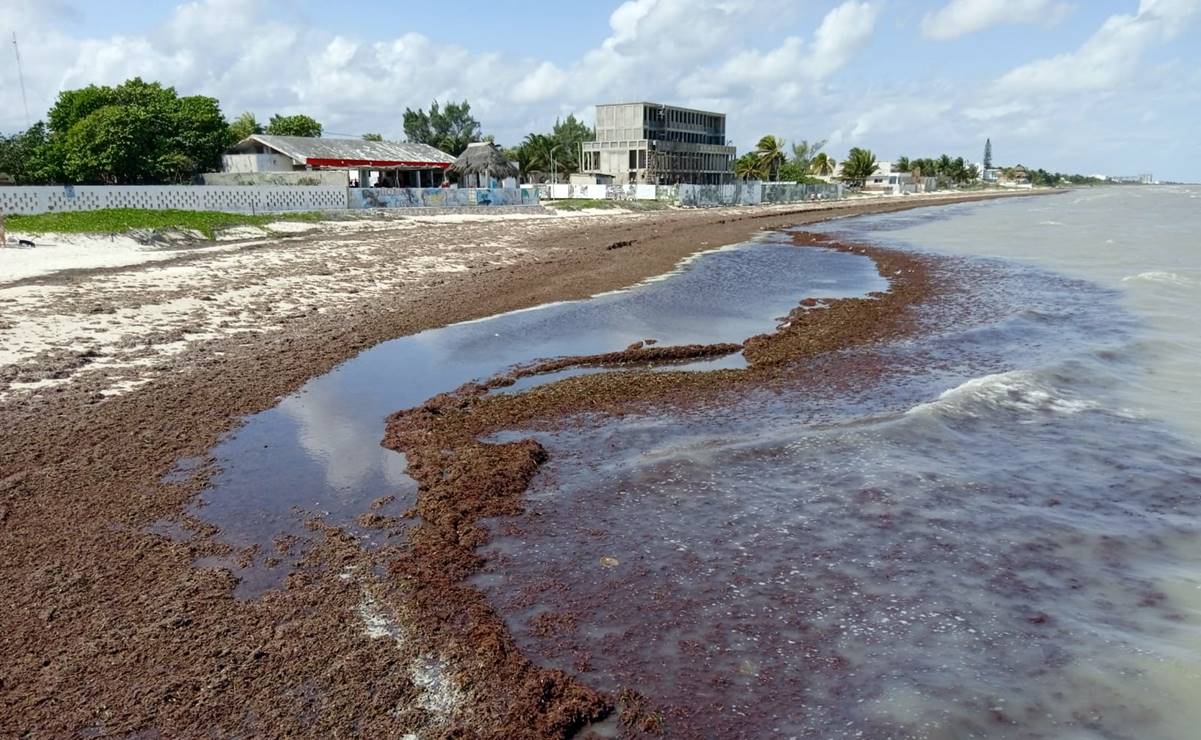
[440,197]
[596,191]
[753,193]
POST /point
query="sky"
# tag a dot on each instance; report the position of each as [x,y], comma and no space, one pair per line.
[1087,86]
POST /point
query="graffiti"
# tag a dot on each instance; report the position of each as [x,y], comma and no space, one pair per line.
[754,193]
[440,197]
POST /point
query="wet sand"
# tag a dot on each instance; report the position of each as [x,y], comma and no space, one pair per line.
[112,630]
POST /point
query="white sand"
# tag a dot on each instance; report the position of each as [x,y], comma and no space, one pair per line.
[58,252]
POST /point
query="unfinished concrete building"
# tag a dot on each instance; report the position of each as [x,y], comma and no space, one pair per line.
[658,144]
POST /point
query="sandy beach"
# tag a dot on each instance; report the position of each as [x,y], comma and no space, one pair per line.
[115,365]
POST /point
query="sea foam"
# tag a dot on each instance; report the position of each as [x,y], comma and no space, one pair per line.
[1015,391]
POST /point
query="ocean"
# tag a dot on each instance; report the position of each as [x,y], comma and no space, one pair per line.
[993,533]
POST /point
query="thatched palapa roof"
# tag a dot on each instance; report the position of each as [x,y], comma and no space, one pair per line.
[483,158]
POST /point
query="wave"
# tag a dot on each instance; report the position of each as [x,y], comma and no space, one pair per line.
[1169,278]
[1016,390]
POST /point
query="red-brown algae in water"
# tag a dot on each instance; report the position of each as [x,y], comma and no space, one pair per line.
[463,480]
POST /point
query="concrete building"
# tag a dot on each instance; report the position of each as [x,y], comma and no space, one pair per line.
[374,162]
[658,144]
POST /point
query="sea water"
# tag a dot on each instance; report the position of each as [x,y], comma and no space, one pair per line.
[993,531]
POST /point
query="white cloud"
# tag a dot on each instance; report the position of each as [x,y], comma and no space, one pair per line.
[1108,57]
[780,75]
[842,34]
[961,17]
[544,83]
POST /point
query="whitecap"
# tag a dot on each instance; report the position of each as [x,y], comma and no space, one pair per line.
[1012,391]
[1155,276]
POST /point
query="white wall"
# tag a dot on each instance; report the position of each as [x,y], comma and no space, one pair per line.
[231,198]
[255,163]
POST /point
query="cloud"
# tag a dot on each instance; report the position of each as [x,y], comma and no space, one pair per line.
[961,17]
[842,34]
[780,75]
[545,82]
[1108,57]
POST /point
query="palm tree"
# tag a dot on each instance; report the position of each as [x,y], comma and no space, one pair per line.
[541,155]
[823,164]
[748,167]
[858,166]
[902,164]
[945,166]
[770,151]
[803,153]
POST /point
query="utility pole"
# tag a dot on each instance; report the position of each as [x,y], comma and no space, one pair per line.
[21,77]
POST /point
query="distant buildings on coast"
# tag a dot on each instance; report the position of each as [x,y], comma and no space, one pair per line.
[1143,179]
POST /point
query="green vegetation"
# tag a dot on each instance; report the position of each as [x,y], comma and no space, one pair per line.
[450,129]
[543,157]
[243,126]
[769,161]
[579,204]
[297,125]
[858,166]
[120,220]
[136,133]
[770,151]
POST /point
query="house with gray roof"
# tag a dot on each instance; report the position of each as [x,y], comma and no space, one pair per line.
[385,163]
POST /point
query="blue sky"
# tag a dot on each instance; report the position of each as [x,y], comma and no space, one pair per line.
[1096,86]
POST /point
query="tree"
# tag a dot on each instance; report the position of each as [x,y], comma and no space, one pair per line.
[198,136]
[988,154]
[858,166]
[243,126]
[803,153]
[114,144]
[541,154]
[748,167]
[569,134]
[373,137]
[450,129]
[973,173]
[22,155]
[945,165]
[902,164]
[823,164]
[958,171]
[297,125]
[770,151]
[136,132]
[794,171]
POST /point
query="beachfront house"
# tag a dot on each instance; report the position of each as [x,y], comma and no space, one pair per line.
[658,144]
[888,180]
[364,163]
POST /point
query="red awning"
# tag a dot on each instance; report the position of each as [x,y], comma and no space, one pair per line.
[364,163]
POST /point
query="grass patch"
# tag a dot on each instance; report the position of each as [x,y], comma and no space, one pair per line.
[120,220]
[579,204]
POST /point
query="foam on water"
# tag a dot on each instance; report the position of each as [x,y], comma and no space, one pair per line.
[1016,390]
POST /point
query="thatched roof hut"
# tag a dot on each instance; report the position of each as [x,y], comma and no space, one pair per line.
[483,161]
